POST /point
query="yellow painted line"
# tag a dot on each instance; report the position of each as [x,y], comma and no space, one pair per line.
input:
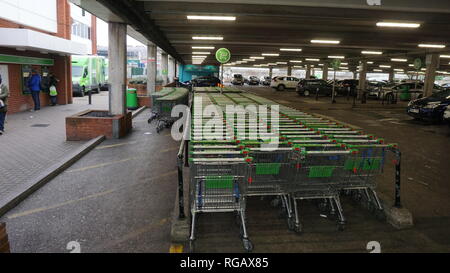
[100,194]
[33,211]
[101,165]
[176,249]
[115,145]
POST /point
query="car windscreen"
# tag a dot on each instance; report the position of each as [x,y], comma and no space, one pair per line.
[77,71]
[442,95]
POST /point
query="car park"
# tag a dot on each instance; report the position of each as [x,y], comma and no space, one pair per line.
[253,80]
[312,87]
[238,79]
[430,108]
[284,82]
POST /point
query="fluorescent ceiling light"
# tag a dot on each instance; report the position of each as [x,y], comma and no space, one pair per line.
[336,57]
[298,66]
[207,38]
[368,52]
[385,66]
[199,56]
[410,65]
[291,49]
[271,54]
[344,63]
[281,62]
[257,58]
[398,69]
[445,56]
[398,24]
[334,42]
[399,60]
[215,18]
[249,60]
[199,53]
[320,64]
[378,70]
[431,46]
[369,62]
[203,47]
[313,60]
[295,61]
[423,69]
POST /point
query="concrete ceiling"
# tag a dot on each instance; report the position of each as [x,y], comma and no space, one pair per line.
[263,26]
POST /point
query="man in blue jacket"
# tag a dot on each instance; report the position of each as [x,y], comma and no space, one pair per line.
[34,84]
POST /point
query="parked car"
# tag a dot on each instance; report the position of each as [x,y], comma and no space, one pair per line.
[405,91]
[430,108]
[284,82]
[266,81]
[206,81]
[347,85]
[253,80]
[446,85]
[238,79]
[311,87]
[447,115]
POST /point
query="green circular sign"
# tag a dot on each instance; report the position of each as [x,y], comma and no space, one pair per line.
[418,64]
[336,63]
[223,55]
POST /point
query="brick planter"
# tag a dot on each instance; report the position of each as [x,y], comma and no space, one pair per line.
[145,101]
[92,123]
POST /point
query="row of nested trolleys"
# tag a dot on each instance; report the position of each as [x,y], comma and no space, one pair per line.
[233,156]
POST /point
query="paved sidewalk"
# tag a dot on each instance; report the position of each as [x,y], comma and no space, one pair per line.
[36,140]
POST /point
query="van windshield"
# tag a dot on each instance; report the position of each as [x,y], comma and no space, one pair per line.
[77,71]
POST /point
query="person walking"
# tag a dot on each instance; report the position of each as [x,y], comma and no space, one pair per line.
[34,84]
[4,93]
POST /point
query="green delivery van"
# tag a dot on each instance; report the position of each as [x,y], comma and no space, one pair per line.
[88,73]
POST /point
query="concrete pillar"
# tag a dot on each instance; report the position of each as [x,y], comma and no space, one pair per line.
[271,73]
[325,72]
[308,72]
[362,79]
[171,70]
[117,52]
[391,75]
[432,62]
[289,70]
[165,68]
[151,68]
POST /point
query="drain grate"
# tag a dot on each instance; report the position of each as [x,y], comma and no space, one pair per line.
[40,125]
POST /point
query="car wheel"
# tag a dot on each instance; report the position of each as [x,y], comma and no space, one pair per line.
[306,93]
[281,87]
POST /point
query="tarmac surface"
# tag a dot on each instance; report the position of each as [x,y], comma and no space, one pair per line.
[120,197]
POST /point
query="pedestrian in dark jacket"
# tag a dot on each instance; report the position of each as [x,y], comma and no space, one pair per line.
[4,93]
[34,84]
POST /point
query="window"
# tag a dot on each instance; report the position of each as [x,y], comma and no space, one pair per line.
[81,30]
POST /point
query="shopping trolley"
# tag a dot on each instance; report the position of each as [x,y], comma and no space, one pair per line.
[218,185]
[319,175]
[162,108]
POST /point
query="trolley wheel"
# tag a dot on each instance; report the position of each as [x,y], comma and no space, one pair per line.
[298,229]
[191,246]
[341,227]
[291,224]
[248,245]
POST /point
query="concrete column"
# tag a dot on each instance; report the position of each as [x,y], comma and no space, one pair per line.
[362,79]
[391,75]
[325,72]
[117,52]
[289,70]
[171,70]
[165,68]
[271,73]
[432,62]
[308,72]
[151,69]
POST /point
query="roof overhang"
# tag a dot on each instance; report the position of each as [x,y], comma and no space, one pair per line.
[25,39]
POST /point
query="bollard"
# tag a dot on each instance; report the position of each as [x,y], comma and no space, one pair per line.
[397,162]
[317,94]
[90,96]
[4,242]
[348,93]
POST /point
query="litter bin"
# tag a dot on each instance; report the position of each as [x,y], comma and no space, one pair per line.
[132,99]
[405,95]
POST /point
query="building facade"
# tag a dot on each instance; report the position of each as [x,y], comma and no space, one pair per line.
[36,35]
